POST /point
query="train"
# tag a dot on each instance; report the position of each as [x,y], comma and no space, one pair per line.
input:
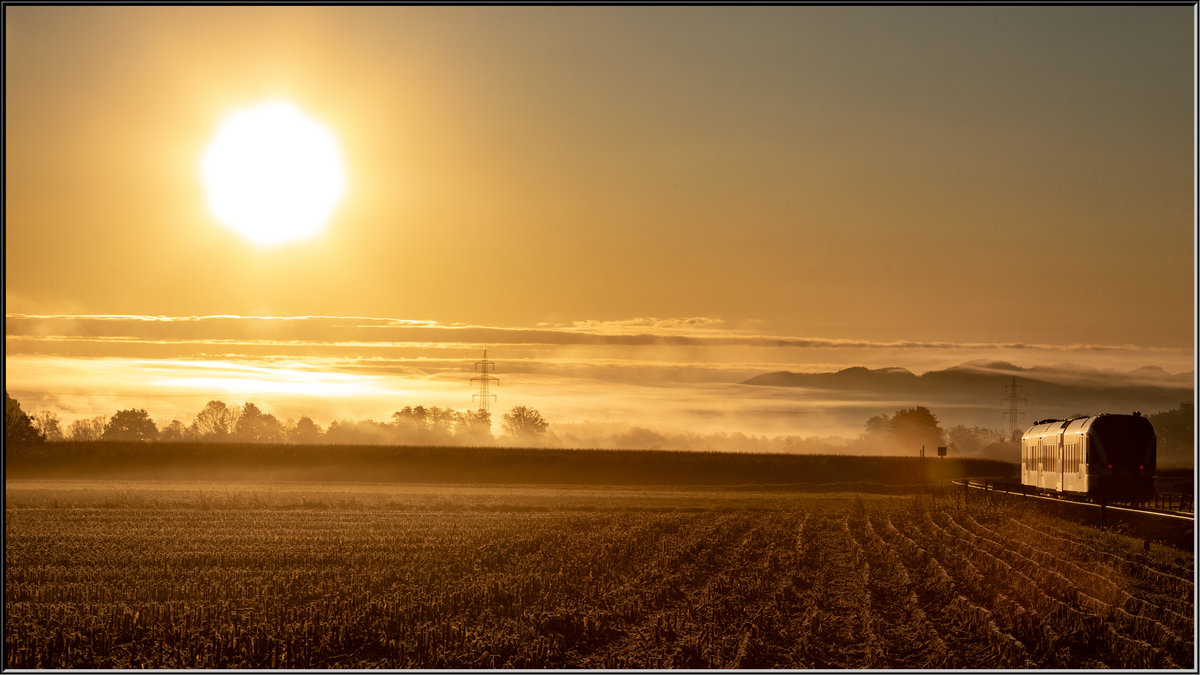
[1102,457]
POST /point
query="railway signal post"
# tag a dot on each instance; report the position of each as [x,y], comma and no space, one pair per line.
[941,465]
[925,476]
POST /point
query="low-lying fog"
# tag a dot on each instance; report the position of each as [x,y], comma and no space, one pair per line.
[644,383]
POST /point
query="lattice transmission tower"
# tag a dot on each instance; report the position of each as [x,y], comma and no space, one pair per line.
[483,397]
[1014,413]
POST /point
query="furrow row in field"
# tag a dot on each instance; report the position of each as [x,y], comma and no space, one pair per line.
[1083,623]
[667,629]
[1163,574]
[816,584]
[966,626]
[1039,621]
[1069,631]
[909,639]
[376,602]
[838,632]
[1167,590]
[1100,588]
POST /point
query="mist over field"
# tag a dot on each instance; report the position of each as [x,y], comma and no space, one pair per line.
[649,383]
[726,275]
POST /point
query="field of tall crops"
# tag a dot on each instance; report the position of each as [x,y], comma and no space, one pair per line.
[179,575]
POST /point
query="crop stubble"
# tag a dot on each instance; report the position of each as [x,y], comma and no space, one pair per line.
[559,580]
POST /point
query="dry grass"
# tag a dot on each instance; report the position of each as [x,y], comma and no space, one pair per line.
[296,575]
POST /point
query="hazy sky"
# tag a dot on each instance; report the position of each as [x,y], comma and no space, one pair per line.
[873,174]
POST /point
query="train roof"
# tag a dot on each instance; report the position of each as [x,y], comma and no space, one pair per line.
[1080,424]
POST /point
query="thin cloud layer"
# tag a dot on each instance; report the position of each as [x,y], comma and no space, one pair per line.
[695,331]
[670,377]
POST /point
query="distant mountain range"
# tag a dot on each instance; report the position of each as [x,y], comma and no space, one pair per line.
[971,393]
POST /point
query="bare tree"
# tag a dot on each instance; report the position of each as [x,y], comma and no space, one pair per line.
[87,429]
[48,425]
[214,421]
[524,422]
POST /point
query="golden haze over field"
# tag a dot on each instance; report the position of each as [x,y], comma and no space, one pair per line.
[634,208]
[277,239]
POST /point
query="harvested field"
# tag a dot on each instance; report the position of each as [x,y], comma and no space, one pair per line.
[180,575]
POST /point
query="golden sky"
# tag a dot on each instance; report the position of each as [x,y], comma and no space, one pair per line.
[863,175]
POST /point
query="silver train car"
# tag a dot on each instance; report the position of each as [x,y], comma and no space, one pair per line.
[1106,457]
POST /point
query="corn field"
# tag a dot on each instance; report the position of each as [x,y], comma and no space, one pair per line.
[570,578]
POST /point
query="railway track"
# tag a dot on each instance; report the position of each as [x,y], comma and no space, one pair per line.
[1007,487]
[1172,528]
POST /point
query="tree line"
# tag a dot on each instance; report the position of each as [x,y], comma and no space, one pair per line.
[910,429]
[901,433]
[219,422]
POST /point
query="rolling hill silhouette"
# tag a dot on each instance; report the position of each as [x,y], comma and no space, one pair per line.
[979,385]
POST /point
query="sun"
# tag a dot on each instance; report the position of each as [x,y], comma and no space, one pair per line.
[273,174]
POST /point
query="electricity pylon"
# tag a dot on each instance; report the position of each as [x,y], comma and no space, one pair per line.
[483,398]
[1014,414]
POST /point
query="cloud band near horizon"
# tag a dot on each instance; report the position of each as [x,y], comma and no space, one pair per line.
[671,374]
[332,331]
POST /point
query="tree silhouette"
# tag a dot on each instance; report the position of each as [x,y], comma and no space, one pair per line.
[214,422]
[411,424]
[88,429]
[48,425]
[904,432]
[18,427]
[1174,429]
[173,432]
[441,422]
[914,427]
[971,441]
[879,425]
[365,432]
[424,425]
[524,422]
[305,431]
[258,427]
[474,426]
[130,425]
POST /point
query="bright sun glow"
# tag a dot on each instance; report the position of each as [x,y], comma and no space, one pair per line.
[273,173]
